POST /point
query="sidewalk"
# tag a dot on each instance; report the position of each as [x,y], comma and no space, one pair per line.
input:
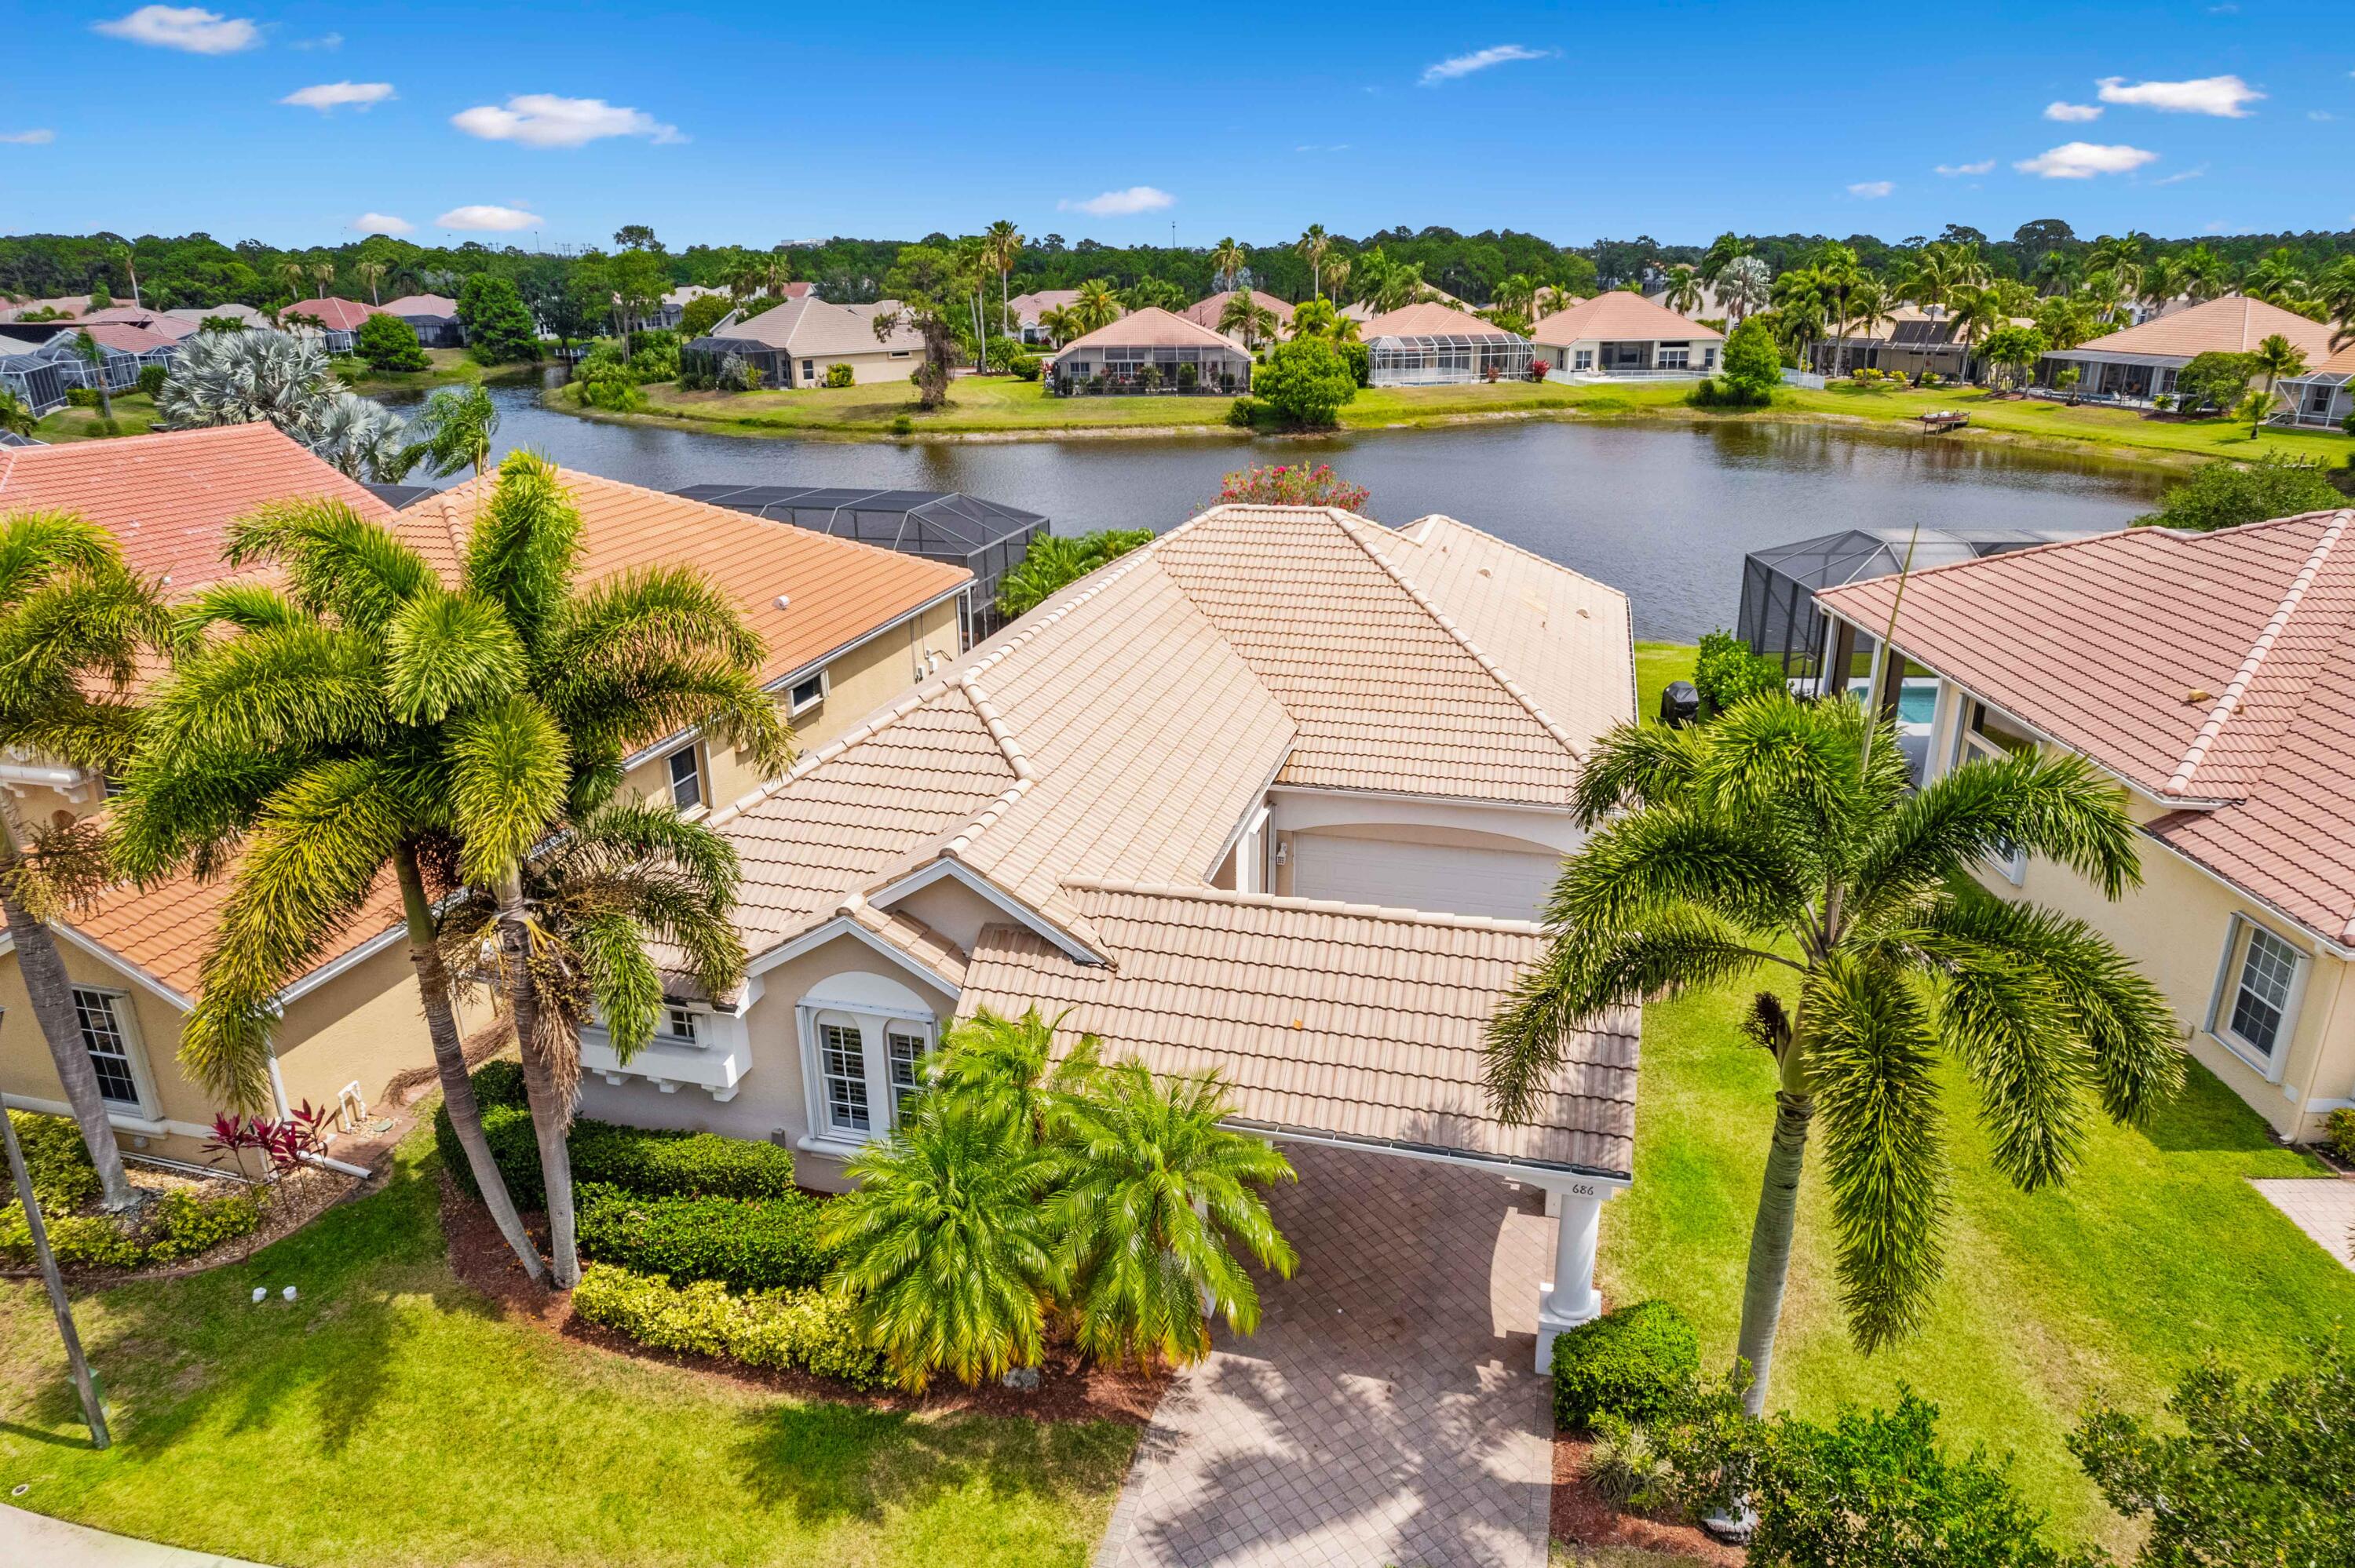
[43,1542]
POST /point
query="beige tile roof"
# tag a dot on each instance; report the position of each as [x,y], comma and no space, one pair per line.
[1026,308]
[1429,318]
[421,305]
[1205,312]
[2232,324]
[2217,670]
[1151,327]
[1619,317]
[1336,1018]
[810,326]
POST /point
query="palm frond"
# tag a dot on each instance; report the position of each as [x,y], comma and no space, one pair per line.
[616,710]
[620,976]
[1669,855]
[1637,765]
[524,545]
[100,734]
[336,561]
[246,607]
[444,652]
[39,547]
[649,613]
[506,784]
[285,688]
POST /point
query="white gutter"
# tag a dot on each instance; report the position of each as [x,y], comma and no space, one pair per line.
[30,773]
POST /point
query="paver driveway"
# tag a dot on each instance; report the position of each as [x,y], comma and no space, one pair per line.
[1385,1412]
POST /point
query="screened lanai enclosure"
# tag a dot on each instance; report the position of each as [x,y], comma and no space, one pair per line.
[38,383]
[986,537]
[1441,358]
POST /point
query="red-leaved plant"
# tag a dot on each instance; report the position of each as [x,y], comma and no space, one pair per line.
[285,1143]
[1292,484]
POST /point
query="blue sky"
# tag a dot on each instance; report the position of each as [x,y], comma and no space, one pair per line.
[734,122]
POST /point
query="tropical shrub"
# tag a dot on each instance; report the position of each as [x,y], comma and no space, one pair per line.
[57,1161]
[499,327]
[82,397]
[152,379]
[1243,412]
[1292,484]
[902,426]
[2338,1132]
[388,344]
[840,375]
[745,1244]
[1359,359]
[1304,383]
[1753,364]
[2227,495]
[1053,561]
[1716,392]
[1633,1363]
[702,313]
[1727,671]
[656,358]
[1625,1466]
[806,1331]
[179,1225]
[2214,380]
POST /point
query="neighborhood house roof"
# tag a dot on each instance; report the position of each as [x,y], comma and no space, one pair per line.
[341,315]
[1205,313]
[1429,318]
[194,315]
[121,336]
[1026,308]
[810,327]
[2214,671]
[2234,324]
[1093,764]
[421,305]
[1618,317]
[1151,327]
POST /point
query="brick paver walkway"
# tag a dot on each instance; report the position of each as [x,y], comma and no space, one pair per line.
[2323,1209]
[1385,1412]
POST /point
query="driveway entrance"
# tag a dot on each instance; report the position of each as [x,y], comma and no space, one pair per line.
[1386,1412]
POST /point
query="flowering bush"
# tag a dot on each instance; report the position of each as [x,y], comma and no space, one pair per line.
[1292,484]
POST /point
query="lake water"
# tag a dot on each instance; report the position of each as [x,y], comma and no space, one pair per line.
[1662,511]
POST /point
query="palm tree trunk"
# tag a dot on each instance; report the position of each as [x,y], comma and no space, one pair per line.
[50,991]
[450,1064]
[551,1096]
[1770,1242]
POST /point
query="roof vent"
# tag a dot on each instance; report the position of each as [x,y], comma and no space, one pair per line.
[785,602]
[2199,694]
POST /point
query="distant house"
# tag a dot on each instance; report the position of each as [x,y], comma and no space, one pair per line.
[665,316]
[37,381]
[197,315]
[1205,313]
[156,321]
[1432,343]
[2323,395]
[2140,363]
[1618,333]
[1026,309]
[339,319]
[433,317]
[1151,350]
[795,343]
[124,352]
[68,306]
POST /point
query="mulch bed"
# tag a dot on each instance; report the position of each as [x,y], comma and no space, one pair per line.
[1068,1389]
[1580,1518]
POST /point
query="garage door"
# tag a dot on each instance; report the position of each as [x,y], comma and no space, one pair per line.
[1423,876]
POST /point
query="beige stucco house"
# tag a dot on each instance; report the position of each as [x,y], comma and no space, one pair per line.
[1618,334]
[1278,794]
[797,343]
[2214,675]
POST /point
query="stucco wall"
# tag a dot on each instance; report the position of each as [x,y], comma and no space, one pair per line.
[876,366]
[176,1112]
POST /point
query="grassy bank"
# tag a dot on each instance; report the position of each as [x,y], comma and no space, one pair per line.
[391,1416]
[2126,430]
[450,367]
[134,414]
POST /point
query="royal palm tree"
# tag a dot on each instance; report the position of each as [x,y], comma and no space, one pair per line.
[1003,1071]
[1227,262]
[1786,837]
[1140,1260]
[457,425]
[372,274]
[74,623]
[1097,306]
[1001,243]
[1243,315]
[1313,243]
[2277,357]
[127,259]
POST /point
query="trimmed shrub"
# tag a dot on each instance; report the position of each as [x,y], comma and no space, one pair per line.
[81,396]
[1715,392]
[178,1226]
[1727,671]
[2338,1132]
[64,1179]
[811,1330]
[840,375]
[1359,359]
[903,426]
[745,1244]
[1243,412]
[1633,1363]
[152,379]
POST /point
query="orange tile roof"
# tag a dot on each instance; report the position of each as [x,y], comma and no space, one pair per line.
[2213,669]
[341,315]
[1619,317]
[163,931]
[168,499]
[2232,324]
[1428,319]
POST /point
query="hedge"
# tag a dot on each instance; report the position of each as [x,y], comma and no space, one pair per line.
[177,1226]
[809,1331]
[745,1244]
[638,1159]
[1632,1363]
[64,1179]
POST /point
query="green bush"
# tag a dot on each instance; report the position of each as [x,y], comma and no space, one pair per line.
[840,375]
[152,379]
[745,1244]
[1634,1364]
[388,344]
[2227,495]
[903,426]
[56,1158]
[1626,1467]
[1243,412]
[811,1330]
[1360,360]
[180,1226]
[2338,1132]
[1727,671]
[81,396]
[1716,392]
[1304,383]
[2215,379]
[1752,364]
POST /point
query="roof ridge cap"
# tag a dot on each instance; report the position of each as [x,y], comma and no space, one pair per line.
[867,729]
[1495,671]
[1396,915]
[2180,784]
[1114,572]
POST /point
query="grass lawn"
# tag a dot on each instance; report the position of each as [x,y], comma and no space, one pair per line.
[1657,664]
[450,367]
[2126,427]
[390,1416]
[134,414]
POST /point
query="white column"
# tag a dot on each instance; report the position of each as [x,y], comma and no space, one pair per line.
[1570,1299]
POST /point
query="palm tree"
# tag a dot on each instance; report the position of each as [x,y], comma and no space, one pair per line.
[237,378]
[1743,286]
[2279,279]
[1976,312]
[1787,836]
[17,416]
[1228,260]
[1313,243]
[945,1246]
[1003,1071]
[1802,302]
[323,270]
[1060,325]
[292,274]
[372,274]
[1837,273]
[1515,293]
[73,625]
[1318,318]
[458,425]
[2058,272]
[2205,275]
[1401,285]
[2277,357]
[1870,305]
[1143,1263]
[88,350]
[2120,256]
[1337,273]
[2161,281]
[2335,290]
[1723,251]
[1002,243]
[1242,313]
[125,257]
[1684,290]
[1096,306]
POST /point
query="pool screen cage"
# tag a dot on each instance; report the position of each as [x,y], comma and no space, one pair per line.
[1779,615]
[1447,358]
[984,536]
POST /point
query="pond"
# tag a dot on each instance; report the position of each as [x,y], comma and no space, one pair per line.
[1663,511]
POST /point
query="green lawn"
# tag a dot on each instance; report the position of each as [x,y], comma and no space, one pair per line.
[450,367]
[2125,427]
[391,1418]
[1657,664]
[134,414]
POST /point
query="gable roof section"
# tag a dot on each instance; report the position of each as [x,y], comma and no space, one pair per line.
[421,305]
[1428,319]
[1617,314]
[341,315]
[1151,327]
[161,932]
[2232,324]
[1336,1019]
[1205,312]
[810,326]
[2216,669]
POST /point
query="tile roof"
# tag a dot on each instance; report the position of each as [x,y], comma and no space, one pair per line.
[168,498]
[1330,1018]
[2232,324]
[123,336]
[421,305]
[812,326]
[162,931]
[1617,315]
[341,315]
[1151,327]
[1027,307]
[1205,312]
[2213,669]
[1428,319]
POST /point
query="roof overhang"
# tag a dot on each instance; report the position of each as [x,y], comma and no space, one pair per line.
[949,868]
[811,938]
[1552,1173]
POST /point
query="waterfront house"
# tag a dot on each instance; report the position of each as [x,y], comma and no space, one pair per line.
[2321,396]
[1618,334]
[2139,364]
[1205,313]
[197,315]
[2212,675]
[1278,795]
[339,320]
[1430,344]
[1151,350]
[797,343]
[1023,310]
[124,351]
[1910,341]
[433,317]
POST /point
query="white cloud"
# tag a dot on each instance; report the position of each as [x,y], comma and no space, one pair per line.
[1121,204]
[489,219]
[2177,179]
[331,95]
[1871,189]
[1985,165]
[385,223]
[2083,160]
[1324,147]
[2074,113]
[28,138]
[543,120]
[189,27]
[1455,66]
[2225,97]
[323,42]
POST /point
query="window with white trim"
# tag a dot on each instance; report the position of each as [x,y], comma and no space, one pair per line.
[806,694]
[864,1040]
[1982,735]
[679,1023]
[1583,359]
[685,768]
[2257,1006]
[904,1047]
[842,1062]
[102,1035]
[1676,358]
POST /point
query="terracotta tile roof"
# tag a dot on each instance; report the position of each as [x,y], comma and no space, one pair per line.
[2232,324]
[1151,327]
[1618,316]
[1205,312]
[1429,318]
[168,499]
[156,321]
[2217,670]
[1330,1018]
[162,931]
[341,315]
[837,590]
[421,305]
[124,336]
